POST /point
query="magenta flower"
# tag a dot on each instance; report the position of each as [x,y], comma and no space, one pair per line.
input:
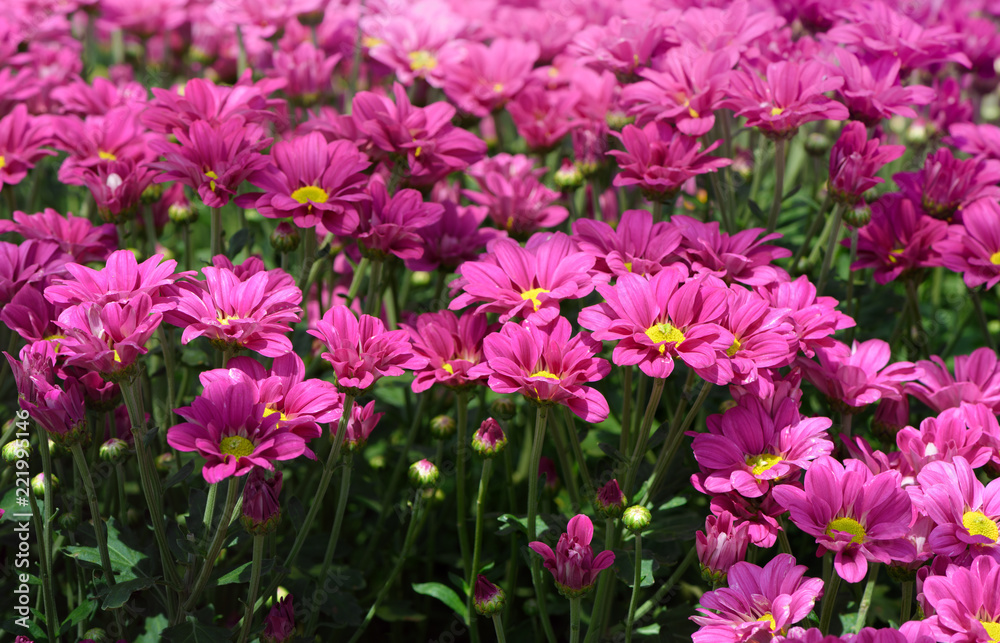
[117,188]
[546,366]
[722,545]
[415,44]
[636,244]
[854,161]
[97,140]
[759,602]
[947,185]
[574,565]
[852,377]
[452,345]
[965,511]
[622,45]
[59,409]
[852,512]
[488,76]
[972,247]
[661,319]
[76,236]
[761,514]
[980,141]
[976,380]
[362,350]
[121,279]
[969,431]
[279,624]
[813,319]
[31,262]
[21,140]
[898,239]
[872,91]
[307,72]
[514,196]
[389,225]
[313,182]
[544,116]
[742,257]
[360,426]
[453,239]
[234,313]
[229,427]
[748,447]
[31,315]
[525,282]
[763,341]
[790,95]
[659,161]
[965,602]
[261,509]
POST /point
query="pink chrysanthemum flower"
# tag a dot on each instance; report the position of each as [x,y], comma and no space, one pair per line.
[748,447]
[852,377]
[59,409]
[872,91]
[742,257]
[854,161]
[229,427]
[898,239]
[512,192]
[544,116]
[969,431]
[21,140]
[623,46]
[573,564]
[976,380]
[362,350]
[946,185]
[972,247]
[234,313]
[980,141]
[965,511]
[451,344]
[546,366]
[790,95]
[455,238]
[76,236]
[813,319]
[30,262]
[415,44]
[635,245]
[120,279]
[759,602]
[117,188]
[852,512]
[312,182]
[31,315]
[488,76]
[763,339]
[723,544]
[761,514]
[661,319]
[307,71]
[363,421]
[659,161]
[213,160]
[389,225]
[525,282]
[966,602]
[96,140]
[100,96]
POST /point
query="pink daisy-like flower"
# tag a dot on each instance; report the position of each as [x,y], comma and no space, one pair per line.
[761,514]
[813,319]
[362,350]
[117,188]
[97,140]
[853,377]
[229,426]
[547,366]
[966,602]
[758,603]
[965,511]
[419,43]
[946,185]
[573,564]
[969,431]
[976,380]
[898,239]
[363,421]
[872,90]
[722,545]
[488,76]
[389,225]
[307,71]
[852,512]
[635,245]
[30,262]
[854,161]
[31,315]
[121,278]
[451,344]
[525,282]
[972,248]
[544,116]
[763,339]
[76,236]
[455,238]
[312,182]
[749,446]
[21,140]
[235,313]
[514,196]
[742,257]
[660,319]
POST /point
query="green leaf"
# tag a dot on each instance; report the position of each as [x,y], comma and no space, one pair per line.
[673,503]
[121,592]
[194,631]
[124,560]
[242,573]
[82,612]
[511,522]
[612,452]
[154,629]
[180,476]
[649,630]
[238,241]
[755,209]
[445,594]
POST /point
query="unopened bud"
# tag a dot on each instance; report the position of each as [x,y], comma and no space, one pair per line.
[636,518]
[286,237]
[442,427]
[489,440]
[114,450]
[424,473]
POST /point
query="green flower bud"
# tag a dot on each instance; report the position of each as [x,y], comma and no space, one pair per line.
[114,450]
[286,237]
[38,484]
[182,214]
[424,473]
[636,518]
[442,427]
[503,409]
[16,450]
[69,521]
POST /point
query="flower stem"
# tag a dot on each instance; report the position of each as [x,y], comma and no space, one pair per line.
[851,308]
[564,463]
[338,522]
[216,232]
[167,345]
[668,584]
[604,586]
[817,223]
[866,598]
[830,588]
[674,441]
[983,324]
[536,563]
[779,183]
[255,567]
[574,620]
[786,547]
[186,234]
[373,303]
[907,603]
[581,462]
[122,504]
[498,626]
[95,511]
[477,541]
[232,490]
[626,423]
[359,273]
[643,439]
[635,587]
[462,432]
[831,248]
[308,259]
[48,598]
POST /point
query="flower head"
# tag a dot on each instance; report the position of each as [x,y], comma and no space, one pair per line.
[972,247]
[488,598]
[485,77]
[611,500]
[21,140]
[573,564]
[976,380]
[489,439]
[279,624]
[389,225]
[965,603]
[76,236]
[946,184]
[899,239]
[744,257]
[121,278]
[636,244]
[965,512]
[858,375]
[515,198]
[722,545]
[261,509]
[854,161]
[363,421]
[455,238]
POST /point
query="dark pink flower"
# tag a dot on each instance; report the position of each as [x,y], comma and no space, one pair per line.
[547,366]
[854,161]
[761,514]
[976,380]
[389,225]
[261,509]
[947,185]
[451,344]
[59,409]
[635,245]
[813,319]
[965,511]
[117,188]
[515,198]
[485,77]
[972,247]
[108,338]
[965,602]
[121,278]
[360,426]
[742,257]
[573,565]
[416,44]
[623,45]
[544,116]
[980,141]
[454,238]
[31,315]
[723,544]
[97,140]
[279,624]
[30,262]
[852,377]
[969,431]
[21,140]
[307,72]
[76,236]
[872,91]
[763,339]
[898,239]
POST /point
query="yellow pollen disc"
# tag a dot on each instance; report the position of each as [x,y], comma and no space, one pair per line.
[212,175]
[416,153]
[118,358]
[734,348]
[693,112]
[498,87]
[553,72]
[994,258]
[893,254]
[421,60]
[848,526]
[977,524]
[769,619]
[628,266]
[370,41]
[448,367]
[236,445]
[763,462]
[992,630]
[510,222]
[3,162]
[545,374]
[666,333]
[776,111]
[225,319]
[310,193]
[107,156]
[269,411]
[533,296]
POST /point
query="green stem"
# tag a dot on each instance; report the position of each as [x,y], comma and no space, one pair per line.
[668,585]
[637,581]
[983,324]
[673,443]
[574,620]
[216,232]
[331,546]
[626,423]
[167,345]
[186,235]
[581,461]
[563,454]
[498,626]
[209,514]
[779,183]
[817,223]
[255,566]
[831,248]
[373,302]
[852,310]
[657,211]
[48,549]
[462,431]
[907,602]
[866,598]
[48,598]
[643,439]
[786,547]
[122,504]
[477,541]
[829,598]
[359,272]
[604,586]
[95,511]
[541,418]
[308,259]
[232,490]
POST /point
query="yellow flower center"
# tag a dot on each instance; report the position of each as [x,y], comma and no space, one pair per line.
[893,254]
[992,630]
[994,258]
[663,334]
[763,462]
[498,87]
[310,193]
[769,619]
[371,41]
[416,152]
[776,111]
[848,526]
[532,295]
[553,72]
[212,175]
[546,375]
[977,524]
[421,60]
[3,162]
[117,357]
[236,445]
[107,156]
[734,348]
[628,266]
[269,411]
[225,319]
[693,112]
[448,367]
